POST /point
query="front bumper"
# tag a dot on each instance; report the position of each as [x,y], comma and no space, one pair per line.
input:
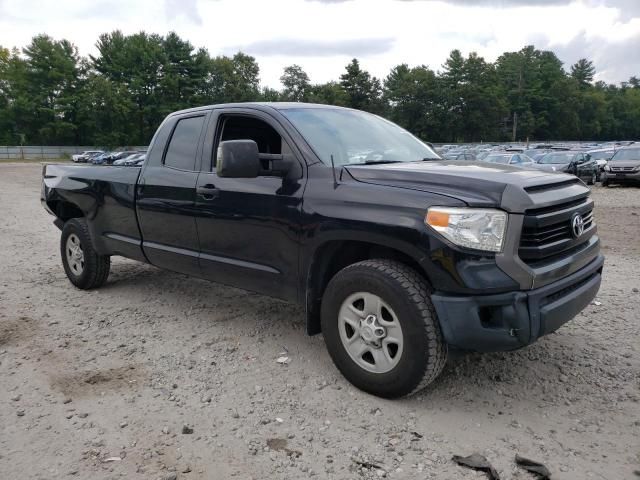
[512,320]
[620,177]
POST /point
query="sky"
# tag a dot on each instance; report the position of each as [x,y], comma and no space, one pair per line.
[322,36]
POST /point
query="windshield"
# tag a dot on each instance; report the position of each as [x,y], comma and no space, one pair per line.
[557,158]
[497,159]
[603,155]
[354,137]
[626,154]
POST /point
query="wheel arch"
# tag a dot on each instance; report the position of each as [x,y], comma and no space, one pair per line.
[64,210]
[333,255]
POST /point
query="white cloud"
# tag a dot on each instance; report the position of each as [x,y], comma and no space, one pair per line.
[323,35]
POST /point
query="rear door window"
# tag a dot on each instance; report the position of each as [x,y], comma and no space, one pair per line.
[183,146]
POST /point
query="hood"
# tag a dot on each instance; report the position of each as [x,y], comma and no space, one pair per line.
[475,183]
[551,167]
[624,163]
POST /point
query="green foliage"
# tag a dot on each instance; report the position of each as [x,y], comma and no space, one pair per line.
[583,72]
[296,84]
[51,95]
[363,91]
[415,100]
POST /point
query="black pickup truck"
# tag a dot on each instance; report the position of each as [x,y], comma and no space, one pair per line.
[396,255]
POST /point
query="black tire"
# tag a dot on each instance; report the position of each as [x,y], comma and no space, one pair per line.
[424,352]
[605,183]
[95,270]
[593,179]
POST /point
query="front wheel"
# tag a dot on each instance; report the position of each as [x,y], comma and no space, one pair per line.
[82,264]
[593,179]
[381,329]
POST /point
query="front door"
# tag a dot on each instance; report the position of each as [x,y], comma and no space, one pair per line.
[586,166]
[167,193]
[249,228]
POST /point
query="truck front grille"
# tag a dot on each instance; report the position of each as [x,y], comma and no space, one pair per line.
[549,232]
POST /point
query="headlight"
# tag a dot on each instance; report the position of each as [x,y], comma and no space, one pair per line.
[607,168]
[637,169]
[476,228]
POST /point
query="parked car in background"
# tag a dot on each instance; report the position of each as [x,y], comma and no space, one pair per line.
[514,159]
[624,166]
[129,159]
[90,157]
[459,156]
[111,157]
[85,156]
[99,159]
[137,159]
[576,163]
[601,156]
[482,154]
[537,154]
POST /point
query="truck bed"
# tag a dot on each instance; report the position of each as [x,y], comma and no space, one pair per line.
[105,195]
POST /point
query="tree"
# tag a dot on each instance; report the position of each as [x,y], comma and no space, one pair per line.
[270,95]
[45,100]
[6,122]
[583,71]
[363,91]
[484,106]
[414,96]
[330,93]
[233,79]
[51,95]
[181,73]
[533,84]
[105,113]
[296,84]
[135,64]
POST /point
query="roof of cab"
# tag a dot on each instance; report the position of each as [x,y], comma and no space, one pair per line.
[260,106]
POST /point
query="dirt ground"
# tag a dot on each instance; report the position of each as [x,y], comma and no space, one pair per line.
[101,384]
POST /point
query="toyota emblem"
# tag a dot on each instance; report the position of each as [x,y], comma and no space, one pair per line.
[577,225]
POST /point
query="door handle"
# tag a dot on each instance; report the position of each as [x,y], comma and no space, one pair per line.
[208,191]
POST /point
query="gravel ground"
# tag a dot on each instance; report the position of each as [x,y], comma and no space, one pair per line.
[160,376]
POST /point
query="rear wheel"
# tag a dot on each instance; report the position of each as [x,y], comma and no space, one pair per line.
[381,329]
[82,264]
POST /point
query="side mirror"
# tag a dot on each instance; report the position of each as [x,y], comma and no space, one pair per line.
[238,159]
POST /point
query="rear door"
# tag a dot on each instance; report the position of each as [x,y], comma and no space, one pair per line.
[249,228]
[167,192]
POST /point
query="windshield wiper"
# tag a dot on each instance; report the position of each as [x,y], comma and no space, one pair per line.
[377,162]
